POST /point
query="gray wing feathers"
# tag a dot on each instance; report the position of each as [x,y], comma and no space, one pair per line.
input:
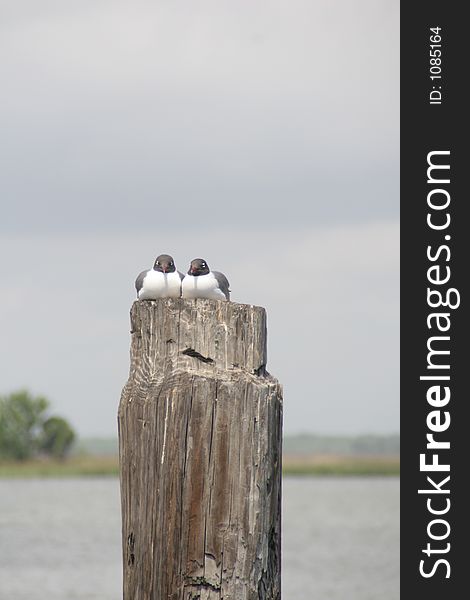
[181,275]
[139,282]
[224,285]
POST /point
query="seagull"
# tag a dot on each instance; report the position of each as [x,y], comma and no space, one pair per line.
[201,282]
[161,281]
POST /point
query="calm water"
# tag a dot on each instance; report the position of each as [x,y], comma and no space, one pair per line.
[60,539]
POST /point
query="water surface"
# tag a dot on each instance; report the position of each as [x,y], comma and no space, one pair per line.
[60,539]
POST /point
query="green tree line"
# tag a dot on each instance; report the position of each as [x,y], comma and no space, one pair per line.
[27,430]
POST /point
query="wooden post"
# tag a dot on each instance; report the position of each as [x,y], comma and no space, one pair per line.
[200,426]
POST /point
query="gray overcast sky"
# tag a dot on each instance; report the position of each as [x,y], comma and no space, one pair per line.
[261,135]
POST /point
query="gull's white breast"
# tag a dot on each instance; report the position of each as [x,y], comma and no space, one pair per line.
[201,286]
[160,285]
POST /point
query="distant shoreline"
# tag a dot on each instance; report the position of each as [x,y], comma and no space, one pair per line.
[107,466]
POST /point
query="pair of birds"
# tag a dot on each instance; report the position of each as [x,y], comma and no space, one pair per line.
[164,281]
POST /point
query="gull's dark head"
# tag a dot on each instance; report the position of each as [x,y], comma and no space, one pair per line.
[198,266]
[165,264]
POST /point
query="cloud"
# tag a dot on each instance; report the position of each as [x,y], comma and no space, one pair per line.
[114,113]
[262,136]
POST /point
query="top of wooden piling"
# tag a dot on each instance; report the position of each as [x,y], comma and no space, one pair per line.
[201,335]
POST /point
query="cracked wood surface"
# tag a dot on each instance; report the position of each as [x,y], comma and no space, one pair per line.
[200,426]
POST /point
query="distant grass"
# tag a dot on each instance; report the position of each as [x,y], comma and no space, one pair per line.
[77,466]
[102,466]
[341,465]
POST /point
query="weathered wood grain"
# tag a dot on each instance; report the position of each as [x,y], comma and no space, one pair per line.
[200,425]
